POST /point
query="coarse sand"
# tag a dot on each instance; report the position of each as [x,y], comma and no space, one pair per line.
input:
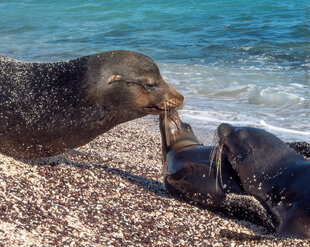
[110,192]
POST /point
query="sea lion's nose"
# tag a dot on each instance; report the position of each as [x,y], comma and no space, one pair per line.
[175,96]
[224,129]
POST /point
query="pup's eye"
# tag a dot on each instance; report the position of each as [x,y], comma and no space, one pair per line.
[150,87]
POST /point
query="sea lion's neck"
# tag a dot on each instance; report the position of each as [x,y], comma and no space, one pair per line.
[182,142]
[40,76]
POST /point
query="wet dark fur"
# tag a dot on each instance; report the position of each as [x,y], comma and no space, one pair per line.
[187,167]
[189,174]
[273,173]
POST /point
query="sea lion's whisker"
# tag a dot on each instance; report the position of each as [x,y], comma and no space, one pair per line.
[166,125]
[218,166]
[216,155]
[214,151]
[212,157]
[172,118]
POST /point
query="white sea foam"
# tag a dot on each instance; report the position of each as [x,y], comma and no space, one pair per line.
[252,97]
[211,120]
[297,132]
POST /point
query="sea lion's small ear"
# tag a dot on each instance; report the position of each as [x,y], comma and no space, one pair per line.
[114,78]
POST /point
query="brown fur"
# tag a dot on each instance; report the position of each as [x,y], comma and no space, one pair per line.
[48,108]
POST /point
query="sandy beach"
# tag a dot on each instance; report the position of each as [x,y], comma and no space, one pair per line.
[109,193]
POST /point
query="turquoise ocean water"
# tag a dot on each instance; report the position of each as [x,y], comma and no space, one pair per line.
[242,62]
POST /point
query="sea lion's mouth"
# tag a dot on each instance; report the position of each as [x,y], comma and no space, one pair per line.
[177,135]
[160,108]
[155,110]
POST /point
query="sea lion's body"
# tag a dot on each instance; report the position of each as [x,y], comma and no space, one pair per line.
[273,173]
[191,172]
[48,108]
[187,168]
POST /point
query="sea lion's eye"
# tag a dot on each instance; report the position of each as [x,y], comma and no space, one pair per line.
[150,87]
[114,78]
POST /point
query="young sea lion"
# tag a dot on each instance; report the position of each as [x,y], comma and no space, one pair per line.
[191,172]
[187,167]
[273,173]
[48,108]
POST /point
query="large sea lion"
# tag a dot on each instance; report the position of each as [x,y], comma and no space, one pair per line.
[48,108]
[273,173]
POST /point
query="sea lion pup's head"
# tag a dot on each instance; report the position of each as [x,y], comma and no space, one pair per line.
[175,137]
[273,173]
[255,154]
[129,83]
[175,134]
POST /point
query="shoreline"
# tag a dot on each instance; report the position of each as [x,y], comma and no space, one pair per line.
[110,193]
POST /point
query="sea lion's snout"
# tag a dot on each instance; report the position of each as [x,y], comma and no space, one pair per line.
[235,143]
[175,99]
[224,130]
[175,134]
[170,126]
[172,99]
